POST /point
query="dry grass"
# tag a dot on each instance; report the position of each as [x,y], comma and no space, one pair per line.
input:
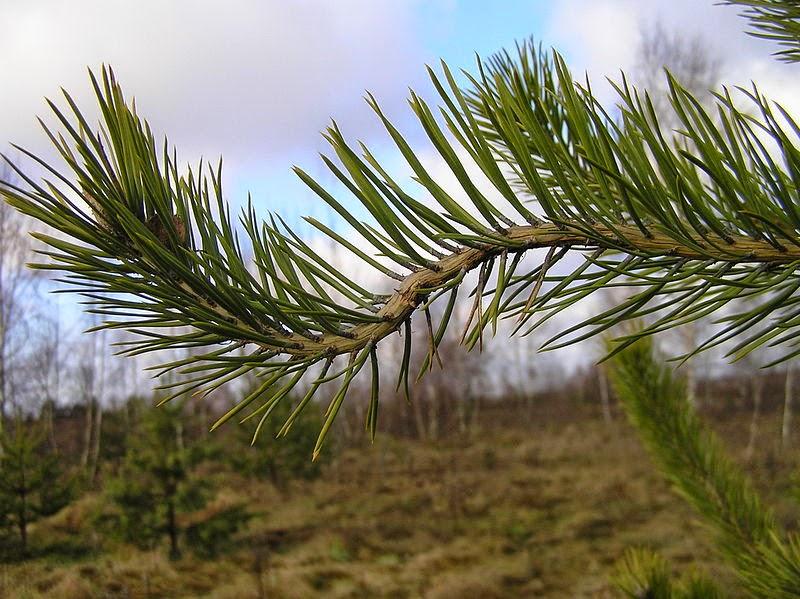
[542,513]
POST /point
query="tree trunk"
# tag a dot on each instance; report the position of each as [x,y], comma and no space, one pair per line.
[758,389]
[788,393]
[23,528]
[172,529]
[529,404]
[3,329]
[276,479]
[259,563]
[475,423]
[99,390]
[419,417]
[22,513]
[201,416]
[54,393]
[605,403]
[2,372]
[95,457]
[87,433]
[179,441]
[433,416]
[461,415]
[48,424]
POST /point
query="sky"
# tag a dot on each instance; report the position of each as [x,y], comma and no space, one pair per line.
[256,81]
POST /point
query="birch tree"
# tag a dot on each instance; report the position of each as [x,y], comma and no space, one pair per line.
[18,286]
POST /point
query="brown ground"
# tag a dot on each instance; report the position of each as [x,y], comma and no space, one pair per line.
[540,513]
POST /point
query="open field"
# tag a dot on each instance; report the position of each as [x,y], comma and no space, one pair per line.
[539,513]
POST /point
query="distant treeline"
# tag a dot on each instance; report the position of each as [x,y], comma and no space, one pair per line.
[156,469]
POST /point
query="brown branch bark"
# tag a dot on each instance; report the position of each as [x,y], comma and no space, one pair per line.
[414,288]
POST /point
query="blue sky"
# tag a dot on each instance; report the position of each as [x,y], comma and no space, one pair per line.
[453,31]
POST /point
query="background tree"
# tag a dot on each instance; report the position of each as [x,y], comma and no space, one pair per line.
[18,305]
[688,58]
[32,481]
[160,491]
[47,365]
[276,453]
[156,483]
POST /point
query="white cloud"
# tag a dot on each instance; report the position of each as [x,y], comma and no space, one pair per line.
[597,36]
[255,79]
[601,37]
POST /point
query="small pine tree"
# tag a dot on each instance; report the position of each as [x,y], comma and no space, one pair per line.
[278,453]
[214,533]
[156,482]
[32,483]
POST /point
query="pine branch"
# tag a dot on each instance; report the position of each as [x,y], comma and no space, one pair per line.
[688,224]
[776,20]
[642,573]
[767,563]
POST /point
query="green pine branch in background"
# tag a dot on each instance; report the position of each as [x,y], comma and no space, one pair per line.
[643,573]
[766,560]
[687,222]
[775,20]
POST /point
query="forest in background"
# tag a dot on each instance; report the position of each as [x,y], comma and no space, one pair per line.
[520,496]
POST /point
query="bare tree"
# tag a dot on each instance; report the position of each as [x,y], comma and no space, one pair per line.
[92,377]
[688,57]
[695,64]
[757,393]
[605,395]
[18,305]
[47,366]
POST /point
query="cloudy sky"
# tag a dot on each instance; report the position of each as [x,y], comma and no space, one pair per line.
[256,81]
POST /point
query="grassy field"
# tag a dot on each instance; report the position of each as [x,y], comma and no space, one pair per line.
[544,512]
